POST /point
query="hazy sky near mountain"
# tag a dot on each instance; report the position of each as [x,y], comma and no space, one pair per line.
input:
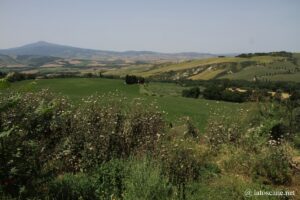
[215,26]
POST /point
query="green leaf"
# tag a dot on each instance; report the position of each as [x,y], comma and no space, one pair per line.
[6,133]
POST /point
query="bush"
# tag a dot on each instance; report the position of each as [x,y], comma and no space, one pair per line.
[69,187]
[226,187]
[192,93]
[273,165]
[296,141]
[216,92]
[42,135]
[31,126]
[137,178]
[232,96]
[213,92]
[278,132]
[134,79]
[209,171]
[191,130]
[16,76]
[146,181]
[220,132]
[2,74]
[102,131]
[109,179]
[182,164]
[97,135]
[4,83]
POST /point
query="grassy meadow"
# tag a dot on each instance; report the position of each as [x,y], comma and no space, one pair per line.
[167,96]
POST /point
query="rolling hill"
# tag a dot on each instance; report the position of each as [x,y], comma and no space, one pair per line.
[47,58]
[42,48]
[266,67]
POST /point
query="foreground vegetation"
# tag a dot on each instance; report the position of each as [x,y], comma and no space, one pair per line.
[104,147]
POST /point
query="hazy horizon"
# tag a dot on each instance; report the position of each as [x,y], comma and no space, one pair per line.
[229,26]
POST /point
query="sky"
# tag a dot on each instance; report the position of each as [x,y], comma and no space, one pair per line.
[210,26]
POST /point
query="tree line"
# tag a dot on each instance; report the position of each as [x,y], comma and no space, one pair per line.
[222,93]
[279,53]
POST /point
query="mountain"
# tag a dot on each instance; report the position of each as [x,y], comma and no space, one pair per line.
[42,48]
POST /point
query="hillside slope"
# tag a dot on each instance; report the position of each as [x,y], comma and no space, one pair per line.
[266,67]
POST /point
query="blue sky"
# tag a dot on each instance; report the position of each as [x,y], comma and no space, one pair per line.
[214,26]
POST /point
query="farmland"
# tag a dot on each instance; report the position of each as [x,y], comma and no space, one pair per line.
[267,68]
[166,95]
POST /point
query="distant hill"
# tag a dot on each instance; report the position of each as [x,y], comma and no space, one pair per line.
[49,58]
[7,60]
[266,67]
[26,60]
[55,50]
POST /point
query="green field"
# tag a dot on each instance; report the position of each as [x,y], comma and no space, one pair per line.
[166,95]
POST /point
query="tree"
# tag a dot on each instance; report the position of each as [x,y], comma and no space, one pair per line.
[213,92]
[15,76]
[2,74]
[191,93]
[131,79]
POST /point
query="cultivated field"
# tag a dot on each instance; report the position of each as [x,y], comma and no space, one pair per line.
[267,68]
[167,96]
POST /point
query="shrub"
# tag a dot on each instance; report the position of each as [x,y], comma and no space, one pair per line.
[16,76]
[146,181]
[278,132]
[213,92]
[296,141]
[191,130]
[216,92]
[131,79]
[232,96]
[226,187]
[273,165]
[144,128]
[220,132]
[209,171]
[4,83]
[31,126]
[96,136]
[192,93]
[109,179]
[102,131]
[69,187]
[42,135]
[182,162]
[2,74]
